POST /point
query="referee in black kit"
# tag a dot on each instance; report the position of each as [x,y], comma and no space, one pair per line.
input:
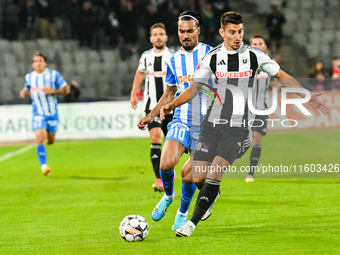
[232,66]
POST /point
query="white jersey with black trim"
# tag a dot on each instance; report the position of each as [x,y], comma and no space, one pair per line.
[180,71]
[44,105]
[154,65]
[232,73]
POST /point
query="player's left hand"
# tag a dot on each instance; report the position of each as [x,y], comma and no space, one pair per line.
[165,110]
[317,105]
[46,90]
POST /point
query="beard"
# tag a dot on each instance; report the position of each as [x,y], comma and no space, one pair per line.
[160,47]
[187,47]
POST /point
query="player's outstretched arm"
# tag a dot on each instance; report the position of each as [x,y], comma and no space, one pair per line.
[24,92]
[288,81]
[137,81]
[167,97]
[183,98]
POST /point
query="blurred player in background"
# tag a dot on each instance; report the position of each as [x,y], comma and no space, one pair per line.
[262,102]
[152,66]
[184,128]
[227,141]
[43,84]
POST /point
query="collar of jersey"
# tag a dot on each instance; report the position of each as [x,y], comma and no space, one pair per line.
[232,51]
[160,53]
[43,73]
[190,51]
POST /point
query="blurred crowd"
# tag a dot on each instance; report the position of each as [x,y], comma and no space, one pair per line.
[321,79]
[102,22]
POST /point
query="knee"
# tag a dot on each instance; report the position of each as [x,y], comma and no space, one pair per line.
[186,179]
[50,142]
[199,181]
[156,136]
[41,140]
[257,138]
[167,165]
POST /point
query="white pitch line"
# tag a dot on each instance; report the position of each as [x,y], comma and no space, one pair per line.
[14,153]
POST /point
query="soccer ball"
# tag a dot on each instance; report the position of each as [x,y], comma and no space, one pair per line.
[134,228]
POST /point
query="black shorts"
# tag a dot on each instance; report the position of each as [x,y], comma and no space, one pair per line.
[229,143]
[260,124]
[156,122]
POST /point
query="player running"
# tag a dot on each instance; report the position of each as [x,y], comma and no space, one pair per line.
[152,66]
[43,84]
[184,128]
[228,140]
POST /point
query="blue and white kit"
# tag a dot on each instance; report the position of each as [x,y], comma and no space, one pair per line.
[45,107]
[181,67]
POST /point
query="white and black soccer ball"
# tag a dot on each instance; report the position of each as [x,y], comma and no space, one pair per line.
[134,228]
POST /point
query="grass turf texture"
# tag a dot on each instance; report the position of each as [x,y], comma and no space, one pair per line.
[95,184]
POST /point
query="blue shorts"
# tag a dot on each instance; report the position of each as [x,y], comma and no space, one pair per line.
[50,123]
[184,134]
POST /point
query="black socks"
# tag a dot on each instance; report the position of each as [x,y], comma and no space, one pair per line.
[155,155]
[205,199]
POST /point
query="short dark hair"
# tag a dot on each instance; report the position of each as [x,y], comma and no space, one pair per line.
[335,57]
[231,17]
[257,36]
[40,54]
[161,25]
[199,19]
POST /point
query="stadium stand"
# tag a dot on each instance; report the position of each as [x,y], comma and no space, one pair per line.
[312,30]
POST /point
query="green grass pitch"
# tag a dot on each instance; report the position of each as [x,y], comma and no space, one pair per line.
[95,184]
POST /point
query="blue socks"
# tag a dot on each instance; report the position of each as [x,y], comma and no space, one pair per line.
[168,182]
[188,191]
[41,151]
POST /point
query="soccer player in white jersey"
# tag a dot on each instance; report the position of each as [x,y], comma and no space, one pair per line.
[262,103]
[43,84]
[184,128]
[231,64]
[152,68]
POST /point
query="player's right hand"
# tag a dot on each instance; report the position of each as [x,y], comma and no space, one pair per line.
[143,122]
[165,110]
[134,101]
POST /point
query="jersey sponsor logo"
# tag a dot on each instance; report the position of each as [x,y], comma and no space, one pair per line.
[184,79]
[37,89]
[243,74]
[157,74]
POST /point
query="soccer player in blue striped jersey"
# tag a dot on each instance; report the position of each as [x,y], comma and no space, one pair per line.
[183,131]
[43,84]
